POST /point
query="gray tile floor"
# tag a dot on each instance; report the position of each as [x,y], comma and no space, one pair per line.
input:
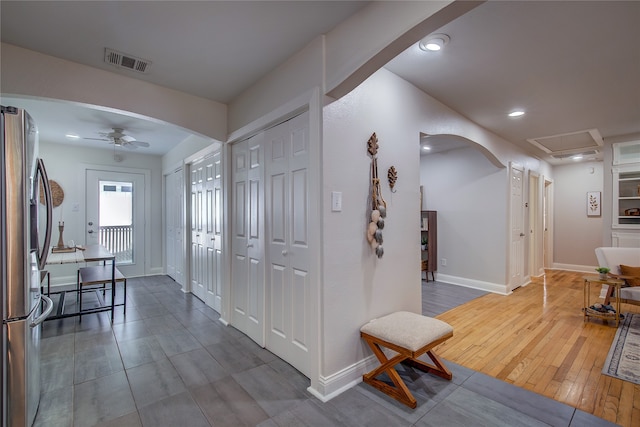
[170,362]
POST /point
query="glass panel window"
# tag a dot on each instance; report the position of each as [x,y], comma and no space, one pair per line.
[116,219]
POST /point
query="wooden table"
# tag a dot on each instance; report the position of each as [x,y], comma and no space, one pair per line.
[91,253]
[613,283]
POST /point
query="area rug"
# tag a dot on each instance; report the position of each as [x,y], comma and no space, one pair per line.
[623,360]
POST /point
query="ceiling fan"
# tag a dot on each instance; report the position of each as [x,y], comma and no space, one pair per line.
[119,139]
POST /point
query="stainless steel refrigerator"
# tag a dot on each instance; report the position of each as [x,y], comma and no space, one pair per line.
[23,250]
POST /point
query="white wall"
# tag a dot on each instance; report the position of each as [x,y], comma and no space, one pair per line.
[575,234]
[358,286]
[470,195]
[63,163]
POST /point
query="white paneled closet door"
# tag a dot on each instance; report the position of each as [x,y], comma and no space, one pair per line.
[206,230]
[247,245]
[287,213]
[174,208]
[179,225]
[213,231]
[170,231]
[197,248]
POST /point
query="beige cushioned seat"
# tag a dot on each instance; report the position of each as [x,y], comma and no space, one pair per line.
[408,330]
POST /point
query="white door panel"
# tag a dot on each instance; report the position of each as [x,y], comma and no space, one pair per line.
[197,263]
[247,242]
[206,238]
[516,256]
[287,148]
[174,208]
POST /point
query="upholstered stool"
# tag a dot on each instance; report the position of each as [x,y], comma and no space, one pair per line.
[410,335]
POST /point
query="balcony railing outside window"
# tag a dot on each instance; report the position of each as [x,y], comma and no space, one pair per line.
[118,239]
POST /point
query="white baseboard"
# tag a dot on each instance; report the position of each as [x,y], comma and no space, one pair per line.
[334,384]
[496,288]
[574,267]
[156,271]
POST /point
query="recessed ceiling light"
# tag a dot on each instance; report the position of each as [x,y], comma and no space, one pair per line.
[426,148]
[72,136]
[434,42]
[516,113]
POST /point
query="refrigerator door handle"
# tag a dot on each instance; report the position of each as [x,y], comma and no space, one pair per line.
[44,314]
[49,203]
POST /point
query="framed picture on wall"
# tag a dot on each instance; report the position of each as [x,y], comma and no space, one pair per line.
[593,203]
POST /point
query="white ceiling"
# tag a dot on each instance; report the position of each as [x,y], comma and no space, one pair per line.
[572,66]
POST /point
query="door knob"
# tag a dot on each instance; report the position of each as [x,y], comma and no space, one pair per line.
[250,245]
[521,234]
[90,231]
[90,223]
[284,253]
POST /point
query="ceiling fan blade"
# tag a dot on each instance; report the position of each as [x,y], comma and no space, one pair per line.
[98,139]
[127,138]
[129,146]
[139,143]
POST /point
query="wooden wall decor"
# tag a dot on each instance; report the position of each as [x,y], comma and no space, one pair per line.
[378,205]
[392,176]
[57,193]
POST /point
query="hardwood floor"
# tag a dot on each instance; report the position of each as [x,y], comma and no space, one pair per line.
[537,339]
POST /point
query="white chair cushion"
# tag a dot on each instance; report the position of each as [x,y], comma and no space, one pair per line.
[407,330]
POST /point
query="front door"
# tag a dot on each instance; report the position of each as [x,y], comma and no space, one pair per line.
[115,217]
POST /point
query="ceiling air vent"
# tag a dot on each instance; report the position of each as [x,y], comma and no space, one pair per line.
[126,61]
[589,139]
[569,155]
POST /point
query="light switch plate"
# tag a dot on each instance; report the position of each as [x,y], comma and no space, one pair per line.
[336,201]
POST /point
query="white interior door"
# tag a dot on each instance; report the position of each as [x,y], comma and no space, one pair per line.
[213,231]
[547,225]
[535,226]
[174,217]
[115,216]
[516,256]
[287,210]
[169,231]
[197,251]
[247,246]
[206,230]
